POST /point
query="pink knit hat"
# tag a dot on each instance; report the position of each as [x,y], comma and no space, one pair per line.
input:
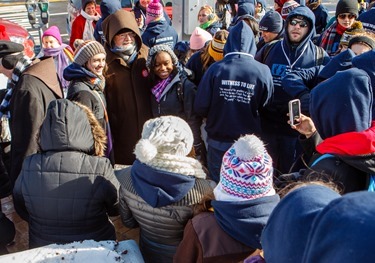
[53,31]
[154,11]
[198,38]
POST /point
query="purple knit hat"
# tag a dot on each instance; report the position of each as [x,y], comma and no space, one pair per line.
[154,11]
[246,171]
[53,31]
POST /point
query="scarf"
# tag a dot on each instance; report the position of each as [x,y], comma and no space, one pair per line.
[61,62]
[20,67]
[159,88]
[328,38]
[88,31]
[177,164]
[128,55]
[207,24]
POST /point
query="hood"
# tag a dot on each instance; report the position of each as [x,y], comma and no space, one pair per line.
[339,62]
[284,237]
[75,71]
[108,7]
[252,216]
[344,231]
[117,21]
[159,188]
[342,103]
[240,39]
[157,27]
[66,128]
[246,9]
[366,61]
[309,15]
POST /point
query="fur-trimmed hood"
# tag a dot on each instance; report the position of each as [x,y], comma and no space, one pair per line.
[69,126]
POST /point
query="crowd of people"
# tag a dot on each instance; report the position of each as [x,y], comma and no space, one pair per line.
[215,170]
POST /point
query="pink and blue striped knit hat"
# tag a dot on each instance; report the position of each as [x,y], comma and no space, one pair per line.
[246,171]
[154,11]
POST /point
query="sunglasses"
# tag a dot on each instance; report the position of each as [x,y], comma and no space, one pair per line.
[343,16]
[301,23]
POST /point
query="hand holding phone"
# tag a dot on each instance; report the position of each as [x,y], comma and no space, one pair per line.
[294,111]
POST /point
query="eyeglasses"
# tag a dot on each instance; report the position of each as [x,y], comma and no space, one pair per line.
[126,35]
[350,16]
[301,23]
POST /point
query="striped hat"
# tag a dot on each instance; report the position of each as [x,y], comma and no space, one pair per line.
[215,49]
[246,171]
[86,50]
[154,11]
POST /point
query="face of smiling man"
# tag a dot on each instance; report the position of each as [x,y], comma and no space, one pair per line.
[298,28]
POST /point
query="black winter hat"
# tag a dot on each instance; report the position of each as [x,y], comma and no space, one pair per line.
[362,39]
[7,49]
[347,6]
[271,22]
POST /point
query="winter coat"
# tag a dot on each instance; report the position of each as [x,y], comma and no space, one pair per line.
[162,217]
[177,99]
[274,116]
[35,89]
[208,237]
[365,62]
[234,89]
[78,27]
[368,19]
[321,18]
[127,89]
[65,193]
[140,14]
[159,32]
[107,7]
[195,64]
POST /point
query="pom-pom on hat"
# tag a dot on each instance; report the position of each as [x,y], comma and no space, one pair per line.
[3,33]
[86,50]
[198,38]
[154,11]
[164,135]
[246,171]
[354,30]
[271,22]
[158,48]
[216,46]
[347,6]
[53,31]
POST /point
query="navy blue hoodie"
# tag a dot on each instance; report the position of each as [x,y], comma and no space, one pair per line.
[368,19]
[159,32]
[366,61]
[107,7]
[281,59]
[233,90]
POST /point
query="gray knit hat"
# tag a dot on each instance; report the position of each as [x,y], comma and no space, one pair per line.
[86,50]
[156,49]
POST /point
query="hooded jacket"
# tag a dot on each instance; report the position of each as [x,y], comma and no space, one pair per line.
[281,59]
[234,87]
[368,19]
[366,61]
[161,203]
[284,237]
[107,7]
[128,89]
[346,127]
[65,193]
[35,89]
[159,32]
[349,220]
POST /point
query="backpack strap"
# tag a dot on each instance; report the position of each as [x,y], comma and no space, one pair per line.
[267,49]
[324,156]
[319,59]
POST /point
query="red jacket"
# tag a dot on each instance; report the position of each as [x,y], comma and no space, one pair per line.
[77,29]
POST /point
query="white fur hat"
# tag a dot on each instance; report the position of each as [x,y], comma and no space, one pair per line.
[164,135]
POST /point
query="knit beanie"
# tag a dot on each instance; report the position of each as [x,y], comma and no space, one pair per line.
[156,49]
[3,33]
[164,135]
[86,2]
[246,171]
[86,50]
[53,31]
[354,30]
[288,7]
[347,6]
[198,38]
[154,11]
[362,39]
[216,46]
[271,22]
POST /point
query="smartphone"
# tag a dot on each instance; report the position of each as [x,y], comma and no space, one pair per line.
[294,111]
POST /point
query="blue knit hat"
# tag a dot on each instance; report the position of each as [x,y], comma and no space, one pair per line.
[271,22]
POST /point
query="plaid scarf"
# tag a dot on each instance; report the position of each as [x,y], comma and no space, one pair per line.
[20,67]
[329,37]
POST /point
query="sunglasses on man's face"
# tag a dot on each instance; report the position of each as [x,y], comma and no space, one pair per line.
[301,23]
[343,16]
